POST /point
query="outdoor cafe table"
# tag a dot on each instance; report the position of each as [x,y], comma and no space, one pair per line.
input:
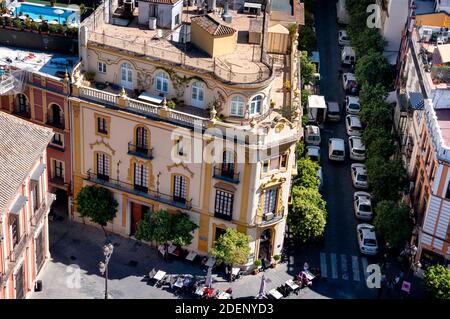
[276,294]
[159,275]
[171,249]
[292,285]
[224,295]
[235,271]
[191,256]
[309,275]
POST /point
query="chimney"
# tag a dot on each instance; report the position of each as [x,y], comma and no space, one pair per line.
[211,5]
[226,15]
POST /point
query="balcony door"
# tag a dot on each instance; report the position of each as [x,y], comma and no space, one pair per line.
[103,166]
[141,140]
[126,76]
[179,189]
[19,283]
[198,95]
[40,250]
[141,178]
[228,164]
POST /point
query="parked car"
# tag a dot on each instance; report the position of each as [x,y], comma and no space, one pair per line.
[320,173]
[352,105]
[367,239]
[333,112]
[350,84]
[353,125]
[343,38]
[359,176]
[336,149]
[357,148]
[312,135]
[313,152]
[348,56]
[362,205]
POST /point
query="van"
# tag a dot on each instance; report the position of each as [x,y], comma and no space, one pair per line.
[312,135]
[333,112]
[348,56]
[336,149]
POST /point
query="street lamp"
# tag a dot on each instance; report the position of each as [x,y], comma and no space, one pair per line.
[103,265]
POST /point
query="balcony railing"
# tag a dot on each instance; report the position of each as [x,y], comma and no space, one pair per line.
[269,219]
[57,180]
[22,113]
[19,248]
[223,216]
[220,173]
[42,210]
[139,191]
[57,122]
[143,152]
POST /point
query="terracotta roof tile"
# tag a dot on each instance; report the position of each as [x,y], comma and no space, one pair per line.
[212,26]
[21,143]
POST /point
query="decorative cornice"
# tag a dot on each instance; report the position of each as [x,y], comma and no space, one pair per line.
[100,142]
[169,168]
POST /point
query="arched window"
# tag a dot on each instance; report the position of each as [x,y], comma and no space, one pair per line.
[198,94]
[228,163]
[22,105]
[56,116]
[126,75]
[255,105]
[237,106]
[141,139]
[162,82]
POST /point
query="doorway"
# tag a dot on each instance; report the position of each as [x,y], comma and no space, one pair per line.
[138,212]
[19,283]
[265,246]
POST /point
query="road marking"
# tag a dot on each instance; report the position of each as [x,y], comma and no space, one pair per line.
[323,265]
[344,267]
[355,268]
[334,274]
[365,264]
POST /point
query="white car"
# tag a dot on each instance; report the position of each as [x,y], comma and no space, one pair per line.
[357,148]
[313,152]
[343,38]
[352,105]
[359,176]
[362,205]
[353,125]
[367,239]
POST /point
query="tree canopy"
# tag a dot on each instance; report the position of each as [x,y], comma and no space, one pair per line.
[307,214]
[308,68]
[393,222]
[373,68]
[232,248]
[437,281]
[307,174]
[97,204]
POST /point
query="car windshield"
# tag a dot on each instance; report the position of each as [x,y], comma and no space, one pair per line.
[362,178]
[356,128]
[370,242]
[365,208]
[356,151]
[353,106]
[338,153]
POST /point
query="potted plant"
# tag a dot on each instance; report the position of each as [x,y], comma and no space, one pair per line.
[89,76]
[34,27]
[171,104]
[44,28]
[258,265]
[28,24]
[17,24]
[276,260]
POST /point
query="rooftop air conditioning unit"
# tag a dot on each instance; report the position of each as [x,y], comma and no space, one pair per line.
[152,23]
[426,34]
[268,216]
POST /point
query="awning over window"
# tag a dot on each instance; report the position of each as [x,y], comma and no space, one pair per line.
[38,172]
[18,204]
[416,100]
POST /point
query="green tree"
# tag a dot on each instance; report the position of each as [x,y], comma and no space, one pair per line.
[373,68]
[307,215]
[386,178]
[378,142]
[307,39]
[232,248]
[372,92]
[437,281]
[82,9]
[304,97]
[307,173]
[393,222]
[367,38]
[181,229]
[308,68]
[97,204]
[376,114]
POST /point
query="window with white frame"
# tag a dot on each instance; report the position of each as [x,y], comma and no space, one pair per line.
[237,106]
[224,204]
[141,177]
[198,94]
[58,170]
[270,200]
[101,67]
[58,140]
[179,188]
[255,105]
[162,82]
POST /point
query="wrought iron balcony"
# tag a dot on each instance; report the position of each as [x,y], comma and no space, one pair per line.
[140,191]
[22,113]
[223,216]
[42,210]
[57,180]
[269,219]
[19,248]
[146,153]
[220,173]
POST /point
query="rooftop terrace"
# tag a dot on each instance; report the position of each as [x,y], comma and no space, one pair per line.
[50,64]
[244,65]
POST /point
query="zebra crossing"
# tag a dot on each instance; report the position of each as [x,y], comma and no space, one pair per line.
[350,268]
